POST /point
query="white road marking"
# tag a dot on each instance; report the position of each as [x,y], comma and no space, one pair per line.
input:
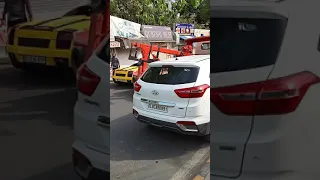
[187,167]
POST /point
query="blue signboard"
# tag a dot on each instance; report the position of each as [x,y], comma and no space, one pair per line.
[185,29]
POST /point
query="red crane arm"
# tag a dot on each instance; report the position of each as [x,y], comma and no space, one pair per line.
[99,29]
[145,48]
[197,39]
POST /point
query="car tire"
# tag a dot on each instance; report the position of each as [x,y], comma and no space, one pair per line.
[18,65]
[115,81]
[152,127]
[15,63]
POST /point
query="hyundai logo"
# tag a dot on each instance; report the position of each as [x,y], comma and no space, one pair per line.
[154,92]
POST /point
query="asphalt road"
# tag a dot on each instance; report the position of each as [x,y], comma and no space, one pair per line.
[35,126]
[140,152]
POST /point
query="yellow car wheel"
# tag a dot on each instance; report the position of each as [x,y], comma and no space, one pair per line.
[15,62]
[117,82]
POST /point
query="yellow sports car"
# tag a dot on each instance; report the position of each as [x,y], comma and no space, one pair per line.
[47,42]
[124,75]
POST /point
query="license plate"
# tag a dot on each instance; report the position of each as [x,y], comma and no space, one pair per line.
[158,107]
[122,80]
[34,59]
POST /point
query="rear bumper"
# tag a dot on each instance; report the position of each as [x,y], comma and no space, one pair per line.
[203,129]
[54,57]
[97,163]
[122,79]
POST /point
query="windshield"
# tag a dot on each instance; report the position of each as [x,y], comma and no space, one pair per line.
[171,75]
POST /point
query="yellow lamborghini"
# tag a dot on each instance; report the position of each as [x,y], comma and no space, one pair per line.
[124,75]
[48,42]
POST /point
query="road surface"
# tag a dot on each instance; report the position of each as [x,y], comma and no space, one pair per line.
[35,126]
[140,152]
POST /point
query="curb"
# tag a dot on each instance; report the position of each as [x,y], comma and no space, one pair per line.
[197,167]
[204,171]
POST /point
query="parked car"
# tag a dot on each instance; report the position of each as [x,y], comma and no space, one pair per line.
[91,148]
[175,95]
[264,90]
[124,75]
[47,42]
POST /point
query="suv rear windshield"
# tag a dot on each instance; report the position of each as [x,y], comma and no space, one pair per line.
[104,52]
[239,43]
[171,75]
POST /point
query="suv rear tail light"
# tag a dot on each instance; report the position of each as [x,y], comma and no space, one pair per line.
[275,96]
[11,36]
[87,81]
[137,87]
[193,92]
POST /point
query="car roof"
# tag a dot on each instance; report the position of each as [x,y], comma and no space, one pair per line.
[184,60]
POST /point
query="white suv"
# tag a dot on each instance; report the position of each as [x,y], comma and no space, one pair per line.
[91,148]
[175,95]
[265,86]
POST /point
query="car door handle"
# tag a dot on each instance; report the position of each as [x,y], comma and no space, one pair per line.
[103,121]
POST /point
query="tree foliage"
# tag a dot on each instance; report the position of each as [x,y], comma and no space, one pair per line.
[157,12]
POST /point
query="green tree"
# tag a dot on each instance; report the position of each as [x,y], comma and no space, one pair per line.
[156,12]
[153,12]
[203,13]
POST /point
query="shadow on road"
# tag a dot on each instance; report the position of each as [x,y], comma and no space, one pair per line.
[56,107]
[32,106]
[132,140]
[55,102]
[63,172]
[114,86]
[15,79]
[120,91]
